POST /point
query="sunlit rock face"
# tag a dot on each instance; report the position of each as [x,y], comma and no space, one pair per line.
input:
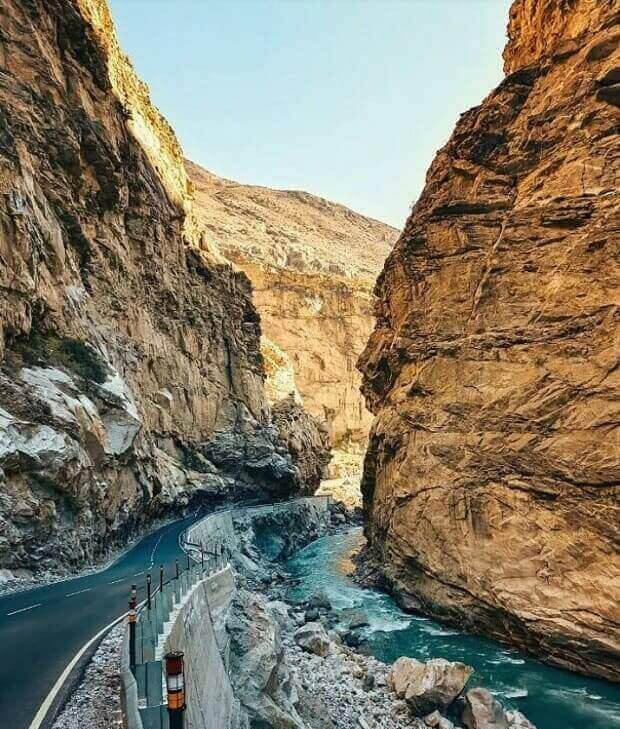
[312,264]
[491,478]
[129,348]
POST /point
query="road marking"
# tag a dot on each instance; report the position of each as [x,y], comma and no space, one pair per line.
[139,573]
[155,548]
[78,592]
[23,610]
[115,581]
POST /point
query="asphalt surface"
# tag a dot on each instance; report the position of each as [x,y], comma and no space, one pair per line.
[42,629]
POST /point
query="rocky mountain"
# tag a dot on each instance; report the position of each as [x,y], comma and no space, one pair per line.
[491,483]
[131,379]
[312,264]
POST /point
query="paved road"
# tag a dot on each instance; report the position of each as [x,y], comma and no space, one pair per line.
[42,629]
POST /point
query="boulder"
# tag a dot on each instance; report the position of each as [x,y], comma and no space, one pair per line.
[319,599]
[445,723]
[353,638]
[358,620]
[259,672]
[516,720]
[313,638]
[428,686]
[280,613]
[483,711]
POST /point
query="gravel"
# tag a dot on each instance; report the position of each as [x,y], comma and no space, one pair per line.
[96,704]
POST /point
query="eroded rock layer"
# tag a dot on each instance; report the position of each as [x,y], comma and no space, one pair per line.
[130,352]
[491,482]
[312,264]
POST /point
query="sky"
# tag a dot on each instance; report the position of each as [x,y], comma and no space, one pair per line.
[346,99]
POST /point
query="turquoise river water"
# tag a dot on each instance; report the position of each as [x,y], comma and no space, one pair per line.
[551,698]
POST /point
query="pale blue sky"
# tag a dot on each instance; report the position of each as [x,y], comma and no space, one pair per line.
[347,99]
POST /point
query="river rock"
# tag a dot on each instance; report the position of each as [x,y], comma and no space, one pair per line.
[353,638]
[437,721]
[357,619]
[516,720]
[483,711]
[280,612]
[313,638]
[428,686]
[319,599]
[259,671]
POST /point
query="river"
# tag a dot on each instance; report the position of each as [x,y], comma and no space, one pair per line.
[550,697]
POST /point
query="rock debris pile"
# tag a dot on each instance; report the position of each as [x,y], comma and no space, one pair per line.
[96,702]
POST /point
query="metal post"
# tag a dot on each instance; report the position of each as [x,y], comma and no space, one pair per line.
[148,591]
[161,577]
[133,616]
[202,559]
[188,560]
[175,684]
[176,563]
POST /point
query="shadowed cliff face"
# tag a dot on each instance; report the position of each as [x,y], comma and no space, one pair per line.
[131,380]
[491,479]
[312,264]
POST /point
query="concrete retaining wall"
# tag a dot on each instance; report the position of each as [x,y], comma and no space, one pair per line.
[215,528]
[200,632]
[219,527]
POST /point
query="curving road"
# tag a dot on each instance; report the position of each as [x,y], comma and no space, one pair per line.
[42,629]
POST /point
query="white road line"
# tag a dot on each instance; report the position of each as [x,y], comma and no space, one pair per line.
[115,581]
[78,592]
[23,610]
[155,548]
[139,573]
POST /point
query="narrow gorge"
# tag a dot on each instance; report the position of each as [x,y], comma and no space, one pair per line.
[270,463]
[312,264]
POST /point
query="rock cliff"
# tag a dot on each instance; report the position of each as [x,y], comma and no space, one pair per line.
[312,264]
[491,481]
[131,379]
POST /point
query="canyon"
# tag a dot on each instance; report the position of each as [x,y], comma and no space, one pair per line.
[132,381]
[312,264]
[172,341]
[491,481]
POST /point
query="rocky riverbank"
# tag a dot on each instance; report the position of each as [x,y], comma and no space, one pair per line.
[315,674]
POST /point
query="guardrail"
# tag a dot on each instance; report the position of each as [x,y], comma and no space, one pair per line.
[143,696]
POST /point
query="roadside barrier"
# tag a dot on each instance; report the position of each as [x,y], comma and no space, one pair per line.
[143,696]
